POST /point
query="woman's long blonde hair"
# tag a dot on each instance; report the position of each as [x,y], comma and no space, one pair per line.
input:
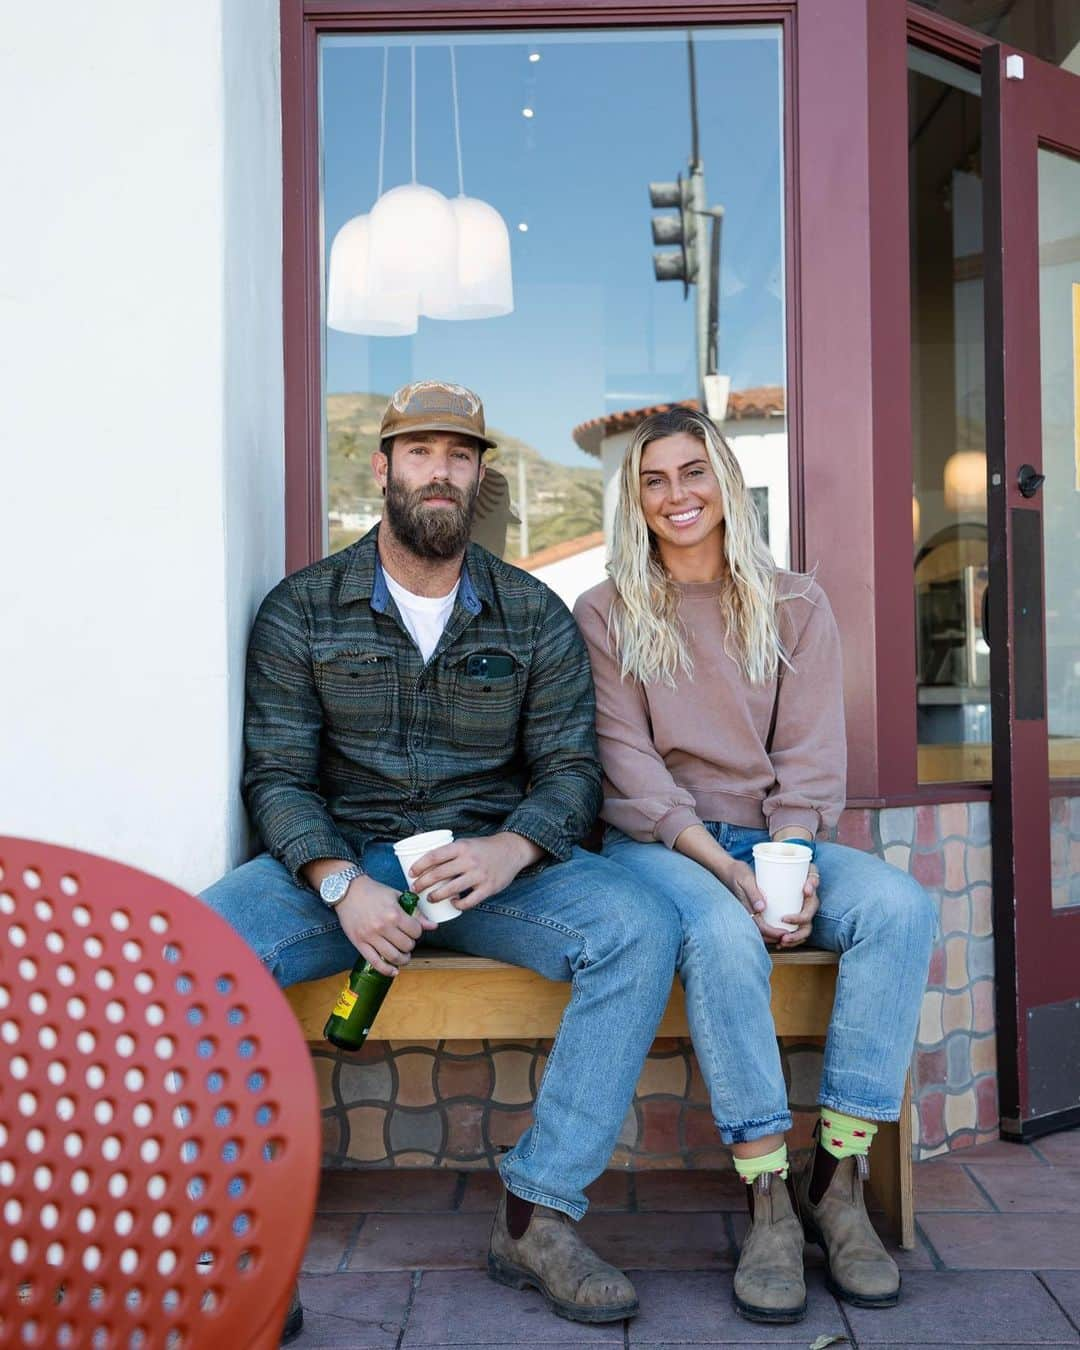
[644,624]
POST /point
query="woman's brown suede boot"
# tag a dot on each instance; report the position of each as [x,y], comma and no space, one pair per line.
[535,1247]
[858,1268]
[769,1284]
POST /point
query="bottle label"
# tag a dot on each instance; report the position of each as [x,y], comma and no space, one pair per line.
[344,1006]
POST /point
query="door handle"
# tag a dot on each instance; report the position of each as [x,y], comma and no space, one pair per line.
[984,616]
[1029,481]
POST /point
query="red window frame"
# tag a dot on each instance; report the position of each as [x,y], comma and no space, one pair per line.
[848,331]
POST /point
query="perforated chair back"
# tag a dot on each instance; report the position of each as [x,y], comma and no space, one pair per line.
[159,1122]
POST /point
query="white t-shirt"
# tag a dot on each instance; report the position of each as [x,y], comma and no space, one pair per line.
[424,616]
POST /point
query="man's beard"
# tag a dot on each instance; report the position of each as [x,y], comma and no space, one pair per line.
[438,532]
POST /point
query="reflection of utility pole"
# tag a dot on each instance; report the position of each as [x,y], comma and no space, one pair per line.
[694,264]
[523,506]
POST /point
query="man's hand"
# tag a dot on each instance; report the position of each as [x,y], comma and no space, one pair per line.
[482,867]
[378,927]
[805,917]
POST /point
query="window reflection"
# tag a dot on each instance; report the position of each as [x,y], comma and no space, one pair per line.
[1049,29]
[948,421]
[562,134]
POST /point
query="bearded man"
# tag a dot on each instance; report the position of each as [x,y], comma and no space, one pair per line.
[416,682]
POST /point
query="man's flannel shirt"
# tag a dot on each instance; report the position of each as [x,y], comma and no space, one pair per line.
[350,737]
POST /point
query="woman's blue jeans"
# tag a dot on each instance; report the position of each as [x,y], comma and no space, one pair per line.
[881,921]
[584,920]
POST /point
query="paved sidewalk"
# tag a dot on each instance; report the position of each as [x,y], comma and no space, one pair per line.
[396,1260]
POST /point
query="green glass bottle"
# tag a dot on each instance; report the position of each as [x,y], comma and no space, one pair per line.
[350,1021]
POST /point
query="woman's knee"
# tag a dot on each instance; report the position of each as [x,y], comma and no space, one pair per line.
[719,931]
[906,910]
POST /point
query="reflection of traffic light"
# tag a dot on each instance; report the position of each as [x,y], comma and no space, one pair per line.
[682,263]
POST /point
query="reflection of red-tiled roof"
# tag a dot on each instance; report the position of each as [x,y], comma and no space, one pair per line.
[569,548]
[743,404]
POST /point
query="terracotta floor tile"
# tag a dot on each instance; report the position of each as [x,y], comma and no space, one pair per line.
[330,1235]
[999,1151]
[353,1312]
[421,1242]
[1065,1287]
[695,1308]
[659,1241]
[1061,1148]
[667,1191]
[466,1308]
[947,1188]
[954,1308]
[370,1190]
[1044,1190]
[1005,1241]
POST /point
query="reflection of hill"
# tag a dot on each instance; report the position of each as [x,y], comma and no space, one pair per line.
[564,502]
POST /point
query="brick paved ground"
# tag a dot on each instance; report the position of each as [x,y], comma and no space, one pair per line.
[396,1260]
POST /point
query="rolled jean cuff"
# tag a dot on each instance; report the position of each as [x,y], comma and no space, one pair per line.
[576,1212]
[852,1106]
[750,1130]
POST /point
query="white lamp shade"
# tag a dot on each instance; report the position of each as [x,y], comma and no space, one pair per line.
[965,482]
[414,247]
[484,284]
[350,305]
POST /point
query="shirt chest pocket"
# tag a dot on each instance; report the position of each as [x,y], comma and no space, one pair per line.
[487,686]
[355,686]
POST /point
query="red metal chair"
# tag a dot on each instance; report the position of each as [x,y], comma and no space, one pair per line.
[159,1122]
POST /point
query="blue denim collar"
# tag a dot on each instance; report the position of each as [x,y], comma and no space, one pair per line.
[365,578]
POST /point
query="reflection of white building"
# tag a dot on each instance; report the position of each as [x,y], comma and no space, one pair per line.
[756,429]
[569,568]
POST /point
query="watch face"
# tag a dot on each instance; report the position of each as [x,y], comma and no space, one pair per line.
[334,887]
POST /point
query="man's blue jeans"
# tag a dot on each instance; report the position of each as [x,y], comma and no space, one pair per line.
[584,920]
[879,919]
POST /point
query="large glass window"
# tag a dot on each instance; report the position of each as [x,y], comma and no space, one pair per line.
[948,420]
[562,135]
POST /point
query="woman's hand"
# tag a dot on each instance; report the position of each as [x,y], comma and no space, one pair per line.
[805,917]
[740,880]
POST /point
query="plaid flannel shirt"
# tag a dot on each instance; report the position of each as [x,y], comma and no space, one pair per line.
[350,737]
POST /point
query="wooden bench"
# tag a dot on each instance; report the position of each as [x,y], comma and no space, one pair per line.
[444,996]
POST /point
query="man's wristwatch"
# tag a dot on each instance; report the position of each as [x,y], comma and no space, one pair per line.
[333,889]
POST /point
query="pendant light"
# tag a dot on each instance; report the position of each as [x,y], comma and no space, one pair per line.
[417,253]
[485,288]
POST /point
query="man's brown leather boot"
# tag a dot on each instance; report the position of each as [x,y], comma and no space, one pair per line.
[769,1284]
[858,1268]
[533,1246]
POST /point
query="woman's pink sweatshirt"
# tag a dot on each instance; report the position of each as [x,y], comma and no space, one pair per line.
[677,757]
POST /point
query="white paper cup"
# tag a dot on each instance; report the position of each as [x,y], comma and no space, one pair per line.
[781,870]
[409,852]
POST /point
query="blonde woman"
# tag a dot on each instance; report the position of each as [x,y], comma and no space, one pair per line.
[720,714]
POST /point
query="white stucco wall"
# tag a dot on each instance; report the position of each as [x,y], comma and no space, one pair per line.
[141,514]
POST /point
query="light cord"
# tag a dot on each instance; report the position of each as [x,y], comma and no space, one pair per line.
[412,62]
[382,123]
[457,122]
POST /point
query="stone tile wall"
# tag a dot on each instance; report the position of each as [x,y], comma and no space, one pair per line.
[460,1104]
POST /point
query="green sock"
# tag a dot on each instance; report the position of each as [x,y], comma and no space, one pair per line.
[751,1168]
[844,1136]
